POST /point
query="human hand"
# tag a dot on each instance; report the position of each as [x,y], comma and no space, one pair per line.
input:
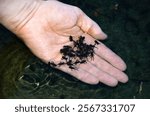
[47,29]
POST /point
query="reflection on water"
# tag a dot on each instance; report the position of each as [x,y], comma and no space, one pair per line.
[33,78]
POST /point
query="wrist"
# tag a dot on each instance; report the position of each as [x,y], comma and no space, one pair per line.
[16,13]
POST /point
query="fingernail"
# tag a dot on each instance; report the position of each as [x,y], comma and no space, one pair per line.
[104,36]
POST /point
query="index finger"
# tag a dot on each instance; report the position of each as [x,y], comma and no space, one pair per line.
[107,54]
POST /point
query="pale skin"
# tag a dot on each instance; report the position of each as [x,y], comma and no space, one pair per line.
[45,27]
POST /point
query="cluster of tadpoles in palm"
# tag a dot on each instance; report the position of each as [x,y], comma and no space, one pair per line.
[78,53]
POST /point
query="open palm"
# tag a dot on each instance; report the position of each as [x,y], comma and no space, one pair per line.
[48,30]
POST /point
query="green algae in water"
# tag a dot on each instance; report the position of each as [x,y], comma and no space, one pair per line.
[13,58]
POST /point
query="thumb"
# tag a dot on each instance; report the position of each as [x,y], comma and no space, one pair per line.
[90,27]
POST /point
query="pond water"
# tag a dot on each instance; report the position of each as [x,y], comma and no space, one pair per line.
[127,23]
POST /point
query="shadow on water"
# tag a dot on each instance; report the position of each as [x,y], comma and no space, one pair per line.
[127,24]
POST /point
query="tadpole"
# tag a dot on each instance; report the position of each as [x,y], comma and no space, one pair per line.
[78,53]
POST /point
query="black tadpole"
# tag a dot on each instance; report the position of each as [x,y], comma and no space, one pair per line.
[79,53]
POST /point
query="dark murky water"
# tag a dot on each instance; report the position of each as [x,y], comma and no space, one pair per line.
[127,24]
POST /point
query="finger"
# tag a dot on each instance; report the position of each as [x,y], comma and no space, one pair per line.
[90,27]
[108,68]
[80,74]
[110,56]
[104,52]
[99,74]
